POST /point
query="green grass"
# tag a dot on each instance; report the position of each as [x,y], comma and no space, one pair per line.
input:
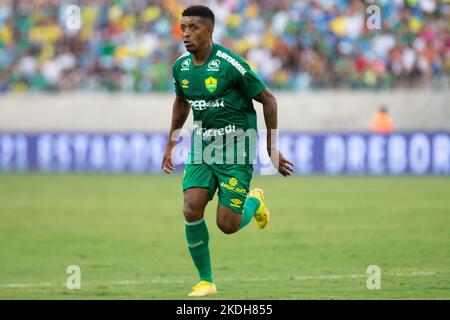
[127,235]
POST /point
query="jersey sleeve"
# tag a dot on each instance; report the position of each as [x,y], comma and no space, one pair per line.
[176,82]
[249,81]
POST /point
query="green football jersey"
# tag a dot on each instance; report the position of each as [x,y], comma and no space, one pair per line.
[219,92]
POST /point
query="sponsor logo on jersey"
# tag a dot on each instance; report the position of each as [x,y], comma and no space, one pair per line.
[236,203]
[211,84]
[185,83]
[200,105]
[185,65]
[214,65]
[232,61]
[208,133]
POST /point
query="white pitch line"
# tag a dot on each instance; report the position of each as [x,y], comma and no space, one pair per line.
[169,281]
[26,285]
[333,277]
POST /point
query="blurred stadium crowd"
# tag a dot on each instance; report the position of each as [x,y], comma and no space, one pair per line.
[293,45]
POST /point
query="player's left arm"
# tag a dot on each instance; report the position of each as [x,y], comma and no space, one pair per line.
[270,107]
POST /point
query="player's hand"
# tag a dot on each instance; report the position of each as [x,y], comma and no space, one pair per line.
[285,167]
[167,166]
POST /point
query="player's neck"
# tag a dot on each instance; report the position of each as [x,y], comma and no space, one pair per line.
[203,54]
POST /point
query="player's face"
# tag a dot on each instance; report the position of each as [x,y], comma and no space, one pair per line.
[196,33]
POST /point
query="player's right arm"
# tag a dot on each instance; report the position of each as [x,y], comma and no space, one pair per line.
[180,112]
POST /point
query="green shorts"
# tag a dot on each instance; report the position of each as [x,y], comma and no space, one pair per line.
[233,181]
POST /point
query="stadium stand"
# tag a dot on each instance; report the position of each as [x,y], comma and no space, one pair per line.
[129,46]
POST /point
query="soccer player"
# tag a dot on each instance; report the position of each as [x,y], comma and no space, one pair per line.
[219,87]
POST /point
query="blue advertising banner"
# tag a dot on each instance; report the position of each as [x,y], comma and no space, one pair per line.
[414,153]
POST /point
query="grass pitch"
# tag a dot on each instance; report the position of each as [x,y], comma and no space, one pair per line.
[126,233]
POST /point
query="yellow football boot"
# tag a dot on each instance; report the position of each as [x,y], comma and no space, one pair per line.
[203,289]
[262,214]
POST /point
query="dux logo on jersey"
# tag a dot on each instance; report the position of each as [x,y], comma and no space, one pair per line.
[214,65]
[185,65]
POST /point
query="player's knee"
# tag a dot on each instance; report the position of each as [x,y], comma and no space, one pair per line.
[226,227]
[191,213]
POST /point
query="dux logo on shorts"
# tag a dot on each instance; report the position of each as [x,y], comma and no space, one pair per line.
[211,84]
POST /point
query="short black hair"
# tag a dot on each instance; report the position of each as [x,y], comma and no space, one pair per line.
[200,11]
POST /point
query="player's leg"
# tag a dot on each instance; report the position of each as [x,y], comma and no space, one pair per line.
[237,206]
[194,204]
[195,201]
[228,220]
[198,188]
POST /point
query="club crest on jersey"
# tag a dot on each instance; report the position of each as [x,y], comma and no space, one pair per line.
[185,64]
[211,84]
[213,65]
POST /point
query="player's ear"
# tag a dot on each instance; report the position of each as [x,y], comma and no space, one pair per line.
[209,26]
[210,29]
